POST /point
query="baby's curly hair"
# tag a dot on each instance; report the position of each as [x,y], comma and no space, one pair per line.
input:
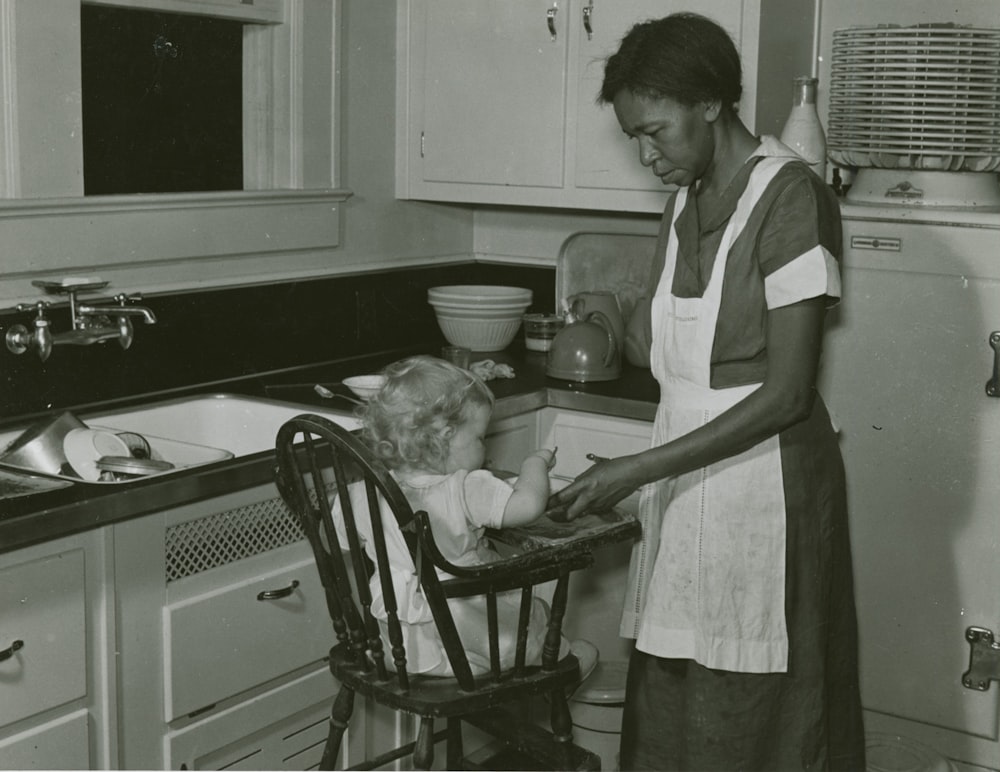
[406,423]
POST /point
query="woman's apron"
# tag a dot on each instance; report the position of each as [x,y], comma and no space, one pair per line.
[707,581]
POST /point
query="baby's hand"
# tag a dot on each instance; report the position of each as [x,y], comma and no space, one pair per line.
[548,456]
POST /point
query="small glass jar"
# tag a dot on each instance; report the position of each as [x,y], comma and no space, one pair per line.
[540,329]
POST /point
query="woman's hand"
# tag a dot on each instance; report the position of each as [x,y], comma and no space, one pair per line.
[598,489]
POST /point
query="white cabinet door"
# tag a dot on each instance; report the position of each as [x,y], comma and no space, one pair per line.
[510,440]
[578,434]
[495,106]
[62,743]
[596,595]
[494,92]
[57,681]
[43,626]
[905,365]
[194,637]
[604,157]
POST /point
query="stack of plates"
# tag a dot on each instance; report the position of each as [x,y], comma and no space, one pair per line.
[923,97]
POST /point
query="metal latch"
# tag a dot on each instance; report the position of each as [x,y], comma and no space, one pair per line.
[904,190]
[993,384]
[984,659]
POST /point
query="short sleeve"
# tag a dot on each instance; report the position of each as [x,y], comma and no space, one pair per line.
[800,243]
[486,498]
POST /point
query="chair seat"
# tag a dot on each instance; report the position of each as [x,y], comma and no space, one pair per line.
[440,697]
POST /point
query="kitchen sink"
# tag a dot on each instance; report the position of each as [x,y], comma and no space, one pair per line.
[241,425]
[192,431]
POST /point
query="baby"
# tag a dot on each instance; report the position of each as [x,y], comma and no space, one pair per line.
[428,425]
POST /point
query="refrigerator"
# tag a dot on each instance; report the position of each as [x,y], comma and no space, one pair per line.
[907,371]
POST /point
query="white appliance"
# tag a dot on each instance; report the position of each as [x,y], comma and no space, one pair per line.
[906,364]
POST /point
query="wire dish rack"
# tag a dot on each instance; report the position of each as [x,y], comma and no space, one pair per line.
[923,97]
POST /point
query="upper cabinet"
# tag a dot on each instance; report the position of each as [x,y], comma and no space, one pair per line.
[497,99]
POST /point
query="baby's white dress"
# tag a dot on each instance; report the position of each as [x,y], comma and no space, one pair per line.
[461,506]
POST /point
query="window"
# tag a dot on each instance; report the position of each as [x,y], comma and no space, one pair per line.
[281,221]
[162,101]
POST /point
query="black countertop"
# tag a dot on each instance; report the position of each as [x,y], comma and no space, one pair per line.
[51,514]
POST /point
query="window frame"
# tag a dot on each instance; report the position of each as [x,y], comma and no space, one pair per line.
[283,224]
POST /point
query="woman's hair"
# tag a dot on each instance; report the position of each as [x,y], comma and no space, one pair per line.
[684,56]
[407,422]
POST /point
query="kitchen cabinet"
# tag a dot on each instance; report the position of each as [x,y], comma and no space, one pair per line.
[223,635]
[56,682]
[496,99]
[596,595]
[510,440]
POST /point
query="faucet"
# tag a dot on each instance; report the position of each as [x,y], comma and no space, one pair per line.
[90,323]
[121,309]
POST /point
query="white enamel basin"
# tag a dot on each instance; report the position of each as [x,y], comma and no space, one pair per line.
[192,431]
[241,425]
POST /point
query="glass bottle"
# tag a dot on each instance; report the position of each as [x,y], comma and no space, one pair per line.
[803,132]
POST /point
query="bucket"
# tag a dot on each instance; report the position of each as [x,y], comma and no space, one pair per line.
[895,753]
[597,712]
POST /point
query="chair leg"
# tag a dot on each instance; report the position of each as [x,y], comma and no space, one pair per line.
[559,717]
[454,744]
[423,753]
[340,715]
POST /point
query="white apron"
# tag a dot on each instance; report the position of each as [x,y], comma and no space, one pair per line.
[707,581]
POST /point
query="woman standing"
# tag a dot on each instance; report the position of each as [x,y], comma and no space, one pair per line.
[740,594]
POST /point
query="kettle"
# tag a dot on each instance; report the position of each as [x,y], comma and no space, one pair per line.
[585,350]
[582,303]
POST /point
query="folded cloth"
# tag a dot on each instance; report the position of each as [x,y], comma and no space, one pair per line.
[487,370]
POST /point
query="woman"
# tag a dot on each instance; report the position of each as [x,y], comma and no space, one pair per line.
[740,594]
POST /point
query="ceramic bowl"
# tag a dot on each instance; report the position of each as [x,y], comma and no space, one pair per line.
[480,294]
[365,386]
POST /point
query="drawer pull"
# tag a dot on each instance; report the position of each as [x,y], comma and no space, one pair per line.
[284,592]
[9,652]
[596,458]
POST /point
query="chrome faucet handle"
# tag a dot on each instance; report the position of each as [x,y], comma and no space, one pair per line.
[39,305]
[19,339]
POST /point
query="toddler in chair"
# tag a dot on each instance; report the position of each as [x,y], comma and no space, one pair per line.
[427,425]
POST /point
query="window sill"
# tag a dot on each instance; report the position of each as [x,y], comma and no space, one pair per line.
[127,234]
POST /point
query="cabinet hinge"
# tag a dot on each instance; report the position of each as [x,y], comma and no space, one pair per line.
[984,659]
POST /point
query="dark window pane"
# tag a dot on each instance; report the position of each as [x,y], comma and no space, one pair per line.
[162,102]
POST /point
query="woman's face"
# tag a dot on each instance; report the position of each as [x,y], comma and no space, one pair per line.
[674,139]
[467,447]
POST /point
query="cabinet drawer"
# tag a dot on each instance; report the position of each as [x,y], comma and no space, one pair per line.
[284,728]
[226,640]
[42,605]
[576,434]
[62,743]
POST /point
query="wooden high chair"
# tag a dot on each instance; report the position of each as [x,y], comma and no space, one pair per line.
[318,461]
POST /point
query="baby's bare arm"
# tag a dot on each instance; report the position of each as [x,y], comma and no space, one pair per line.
[531,491]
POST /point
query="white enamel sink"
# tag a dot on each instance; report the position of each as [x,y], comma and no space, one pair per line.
[192,431]
[241,425]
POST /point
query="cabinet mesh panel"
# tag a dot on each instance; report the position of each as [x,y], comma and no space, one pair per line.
[225,537]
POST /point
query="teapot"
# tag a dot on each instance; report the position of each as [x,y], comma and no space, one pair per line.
[582,303]
[585,350]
